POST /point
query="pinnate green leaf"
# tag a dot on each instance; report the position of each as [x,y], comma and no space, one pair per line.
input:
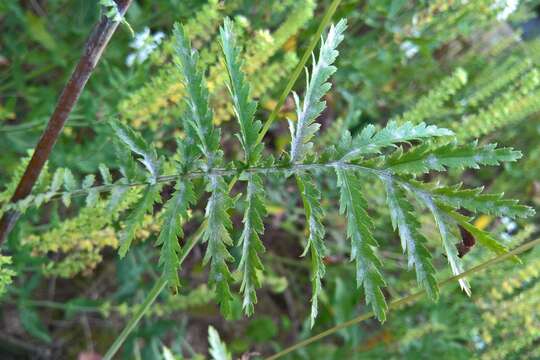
[307,111]
[199,112]
[476,201]
[250,242]
[239,88]
[424,158]
[371,141]
[359,231]
[135,219]
[217,236]
[176,211]
[412,241]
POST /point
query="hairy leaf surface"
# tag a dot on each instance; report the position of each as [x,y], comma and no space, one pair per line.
[219,239]
[311,198]
[304,128]
[176,212]
[371,141]
[359,226]
[423,159]
[239,89]
[412,241]
[250,242]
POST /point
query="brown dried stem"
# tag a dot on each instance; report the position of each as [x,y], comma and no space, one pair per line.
[96,44]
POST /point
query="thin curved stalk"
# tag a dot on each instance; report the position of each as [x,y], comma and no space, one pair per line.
[152,296]
[406,300]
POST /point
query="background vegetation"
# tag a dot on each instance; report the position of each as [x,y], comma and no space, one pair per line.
[468,66]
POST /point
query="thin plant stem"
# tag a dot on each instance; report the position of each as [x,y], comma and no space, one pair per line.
[290,168]
[407,299]
[296,73]
[152,296]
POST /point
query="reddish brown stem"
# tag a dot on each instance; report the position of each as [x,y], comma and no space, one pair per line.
[97,42]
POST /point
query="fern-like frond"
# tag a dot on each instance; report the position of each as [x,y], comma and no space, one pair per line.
[244,107]
[135,219]
[371,141]
[518,102]
[412,241]
[316,87]
[508,72]
[250,242]
[424,158]
[311,198]
[176,211]
[474,200]
[199,110]
[359,231]
[217,236]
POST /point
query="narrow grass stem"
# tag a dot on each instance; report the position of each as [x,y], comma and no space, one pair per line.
[298,70]
[407,299]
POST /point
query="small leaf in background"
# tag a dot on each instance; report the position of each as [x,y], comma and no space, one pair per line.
[32,323]
[37,29]
[217,348]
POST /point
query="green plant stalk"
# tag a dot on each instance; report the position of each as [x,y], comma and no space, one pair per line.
[296,73]
[194,239]
[407,299]
[59,306]
[152,296]
[294,168]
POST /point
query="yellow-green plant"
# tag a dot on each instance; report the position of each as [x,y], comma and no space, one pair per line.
[495,100]
[510,313]
[162,99]
[6,274]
